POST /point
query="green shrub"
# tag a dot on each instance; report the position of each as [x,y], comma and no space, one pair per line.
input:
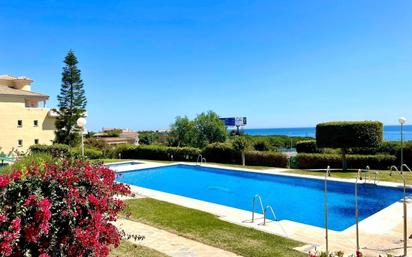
[271,159]
[277,141]
[221,153]
[321,161]
[407,154]
[224,153]
[117,151]
[39,159]
[184,153]
[56,150]
[89,152]
[347,134]
[150,152]
[307,146]
[262,145]
[159,152]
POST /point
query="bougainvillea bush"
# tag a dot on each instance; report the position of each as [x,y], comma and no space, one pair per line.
[61,209]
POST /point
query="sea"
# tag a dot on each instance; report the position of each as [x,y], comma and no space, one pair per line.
[390,132]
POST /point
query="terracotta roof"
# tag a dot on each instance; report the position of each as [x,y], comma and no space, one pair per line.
[112,140]
[4,90]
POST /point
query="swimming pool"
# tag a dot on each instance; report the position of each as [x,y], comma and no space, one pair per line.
[293,198]
[122,164]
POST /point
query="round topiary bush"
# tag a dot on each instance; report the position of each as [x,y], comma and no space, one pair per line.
[348,134]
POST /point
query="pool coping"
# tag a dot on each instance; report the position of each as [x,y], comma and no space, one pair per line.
[309,234]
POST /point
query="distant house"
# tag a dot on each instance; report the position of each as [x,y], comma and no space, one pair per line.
[24,119]
[114,136]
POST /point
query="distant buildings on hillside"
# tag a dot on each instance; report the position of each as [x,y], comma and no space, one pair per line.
[114,136]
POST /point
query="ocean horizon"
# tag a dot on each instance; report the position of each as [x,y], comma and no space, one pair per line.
[390,132]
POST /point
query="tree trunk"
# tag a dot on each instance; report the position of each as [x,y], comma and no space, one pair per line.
[344,161]
[243,158]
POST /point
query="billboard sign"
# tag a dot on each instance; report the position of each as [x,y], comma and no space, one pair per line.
[229,122]
[234,121]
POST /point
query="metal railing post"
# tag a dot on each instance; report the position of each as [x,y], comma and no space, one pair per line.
[405,213]
[257,196]
[357,211]
[326,211]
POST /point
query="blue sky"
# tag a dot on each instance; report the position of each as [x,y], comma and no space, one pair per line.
[280,63]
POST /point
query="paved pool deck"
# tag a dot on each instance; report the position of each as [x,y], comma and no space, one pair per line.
[169,243]
[380,233]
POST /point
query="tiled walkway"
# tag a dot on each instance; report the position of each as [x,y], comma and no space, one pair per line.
[169,243]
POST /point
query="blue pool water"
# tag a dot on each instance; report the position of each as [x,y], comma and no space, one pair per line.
[122,164]
[293,198]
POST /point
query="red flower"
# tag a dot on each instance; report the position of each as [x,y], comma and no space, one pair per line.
[4,181]
[92,199]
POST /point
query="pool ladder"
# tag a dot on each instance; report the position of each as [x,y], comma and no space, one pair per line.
[200,160]
[265,213]
[367,176]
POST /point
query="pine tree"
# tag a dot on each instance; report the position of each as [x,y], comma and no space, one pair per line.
[72,102]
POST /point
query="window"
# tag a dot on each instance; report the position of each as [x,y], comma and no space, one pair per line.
[36,141]
[36,123]
[19,123]
[20,142]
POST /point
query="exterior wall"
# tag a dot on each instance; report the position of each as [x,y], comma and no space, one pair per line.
[12,109]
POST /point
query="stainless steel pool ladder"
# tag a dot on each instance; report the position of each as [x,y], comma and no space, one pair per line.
[257,196]
[265,214]
[200,160]
[367,176]
[328,172]
[407,167]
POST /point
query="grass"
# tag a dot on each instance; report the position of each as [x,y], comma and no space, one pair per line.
[208,229]
[127,249]
[383,175]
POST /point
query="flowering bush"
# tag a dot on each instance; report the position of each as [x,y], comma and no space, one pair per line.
[323,254]
[59,210]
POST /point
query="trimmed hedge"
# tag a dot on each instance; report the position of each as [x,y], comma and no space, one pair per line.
[407,154]
[271,159]
[89,152]
[158,152]
[321,161]
[222,153]
[60,150]
[56,150]
[216,152]
[307,146]
[349,134]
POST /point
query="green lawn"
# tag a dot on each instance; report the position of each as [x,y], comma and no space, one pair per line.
[127,249]
[210,230]
[383,175]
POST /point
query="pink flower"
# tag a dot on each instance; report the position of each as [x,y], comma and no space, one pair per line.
[4,181]
[92,199]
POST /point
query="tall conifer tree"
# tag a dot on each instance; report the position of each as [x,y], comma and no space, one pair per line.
[72,102]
